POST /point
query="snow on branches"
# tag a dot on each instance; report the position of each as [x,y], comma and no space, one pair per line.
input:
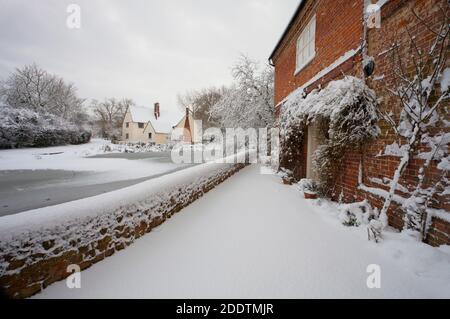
[422,90]
[22,127]
[248,103]
[346,112]
[34,88]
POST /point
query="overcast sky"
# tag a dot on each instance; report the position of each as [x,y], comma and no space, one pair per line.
[146,50]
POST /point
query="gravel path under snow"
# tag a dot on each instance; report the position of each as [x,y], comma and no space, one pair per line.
[253,237]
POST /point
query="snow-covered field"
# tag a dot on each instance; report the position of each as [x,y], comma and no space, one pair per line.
[253,237]
[37,177]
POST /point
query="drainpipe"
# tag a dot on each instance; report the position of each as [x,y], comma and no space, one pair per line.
[365,44]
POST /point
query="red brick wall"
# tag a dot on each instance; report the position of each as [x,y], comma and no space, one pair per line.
[396,17]
[338,30]
[26,272]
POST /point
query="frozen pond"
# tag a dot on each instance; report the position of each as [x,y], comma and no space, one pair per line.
[31,179]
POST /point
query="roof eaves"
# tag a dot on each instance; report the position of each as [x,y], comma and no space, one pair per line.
[288,27]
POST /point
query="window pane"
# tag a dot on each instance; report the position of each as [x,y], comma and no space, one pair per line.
[313,27]
[306,44]
[311,49]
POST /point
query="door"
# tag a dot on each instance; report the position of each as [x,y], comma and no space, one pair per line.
[312,145]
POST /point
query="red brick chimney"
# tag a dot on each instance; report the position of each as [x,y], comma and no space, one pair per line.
[157,111]
[187,128]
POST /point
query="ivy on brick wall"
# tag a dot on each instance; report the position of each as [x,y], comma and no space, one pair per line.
[345,114]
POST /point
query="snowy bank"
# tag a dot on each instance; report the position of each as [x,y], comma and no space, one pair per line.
[36,246]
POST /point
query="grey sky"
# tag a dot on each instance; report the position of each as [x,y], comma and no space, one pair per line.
[145,50]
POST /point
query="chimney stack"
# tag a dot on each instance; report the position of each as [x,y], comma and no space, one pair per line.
[157,111]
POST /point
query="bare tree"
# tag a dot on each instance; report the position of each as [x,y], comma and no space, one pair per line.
[110,114]
[200,103]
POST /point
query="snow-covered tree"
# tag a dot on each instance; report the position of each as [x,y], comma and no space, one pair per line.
[421,87]
[200,102]
[23,127]
[34,88]
[248,103]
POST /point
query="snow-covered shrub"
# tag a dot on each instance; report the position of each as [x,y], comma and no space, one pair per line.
[356,214]
[21,127]
[345,111]
[137,148]
[32,87]
[307,185]
[374,230]
[286,175]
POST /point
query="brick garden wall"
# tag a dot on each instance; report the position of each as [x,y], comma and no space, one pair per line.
[30,261]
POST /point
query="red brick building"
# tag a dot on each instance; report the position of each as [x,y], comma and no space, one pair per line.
[323,42]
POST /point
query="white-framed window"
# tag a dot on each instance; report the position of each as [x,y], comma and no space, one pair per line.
[306,45]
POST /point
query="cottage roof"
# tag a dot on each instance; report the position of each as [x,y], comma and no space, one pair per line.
[142,114]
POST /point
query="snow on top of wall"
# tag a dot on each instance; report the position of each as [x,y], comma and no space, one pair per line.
[381,193]
[133,196]
[386,182]
[394,150]
[439,213]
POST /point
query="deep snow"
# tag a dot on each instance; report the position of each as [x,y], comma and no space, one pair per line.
[253,237]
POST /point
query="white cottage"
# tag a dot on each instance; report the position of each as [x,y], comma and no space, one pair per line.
[143,125]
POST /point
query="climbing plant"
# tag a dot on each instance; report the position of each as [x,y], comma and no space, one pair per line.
[345,113]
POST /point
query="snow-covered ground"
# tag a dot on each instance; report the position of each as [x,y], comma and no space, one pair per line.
[31,178]
[253,237]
